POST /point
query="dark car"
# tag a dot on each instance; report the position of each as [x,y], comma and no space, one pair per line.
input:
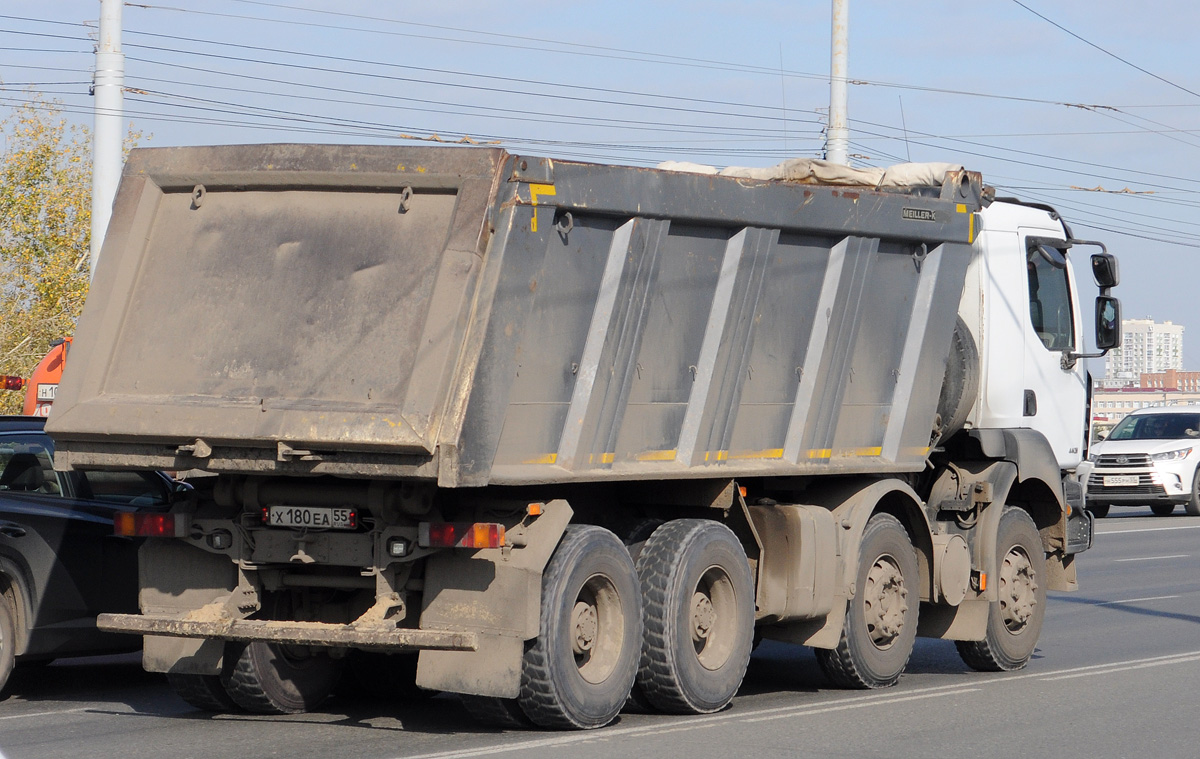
[60,564]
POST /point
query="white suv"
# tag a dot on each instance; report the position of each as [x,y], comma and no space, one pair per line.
[1150,458]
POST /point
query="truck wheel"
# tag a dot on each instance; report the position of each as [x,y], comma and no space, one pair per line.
[205,692]
[8,639]
[1099,510]
[1193,505]
[580,668]
[272,679]
[881,619]
[489,711]
[1015,619]
[1162,509]
[698,597]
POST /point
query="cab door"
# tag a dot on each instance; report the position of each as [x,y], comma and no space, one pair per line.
[1055,384]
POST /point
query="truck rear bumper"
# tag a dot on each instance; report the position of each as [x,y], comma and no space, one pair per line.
[291,633]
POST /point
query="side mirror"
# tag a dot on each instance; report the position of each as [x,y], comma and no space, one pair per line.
[1104,270]
[1108,321]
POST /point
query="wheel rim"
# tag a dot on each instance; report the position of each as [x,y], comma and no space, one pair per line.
[712,618]
[885,602]
[597,629]
[1018,590]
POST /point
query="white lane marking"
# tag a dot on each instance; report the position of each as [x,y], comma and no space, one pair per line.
[51,714]
[1155,558]
[1150,529]
[806,711]
[1133,600]
[760,715]
[1111,670]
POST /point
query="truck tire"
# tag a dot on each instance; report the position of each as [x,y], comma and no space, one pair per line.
[8,639]
[272,679]
[489,711]
[1162,509]
[1099,510]
[698,598]
[205,692]
[579,670]
[881,619]
[1193,505]
[1015,619]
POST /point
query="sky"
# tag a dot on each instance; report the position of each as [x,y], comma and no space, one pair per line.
[1091,106]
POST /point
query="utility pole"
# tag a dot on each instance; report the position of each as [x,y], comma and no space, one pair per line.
[837,137]
[108,88]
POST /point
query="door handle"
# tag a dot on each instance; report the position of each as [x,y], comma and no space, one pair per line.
[11,530]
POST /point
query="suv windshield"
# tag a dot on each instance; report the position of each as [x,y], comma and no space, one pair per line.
[1157,427]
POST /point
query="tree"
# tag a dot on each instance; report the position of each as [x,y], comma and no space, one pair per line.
[45,234]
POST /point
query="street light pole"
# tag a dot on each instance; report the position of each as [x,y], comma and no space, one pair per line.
[837,138]
[108,88]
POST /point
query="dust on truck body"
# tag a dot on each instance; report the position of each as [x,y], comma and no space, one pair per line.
[549,432]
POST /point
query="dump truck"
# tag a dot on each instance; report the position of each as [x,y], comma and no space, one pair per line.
[560,436]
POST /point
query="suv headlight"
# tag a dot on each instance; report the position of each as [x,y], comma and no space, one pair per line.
[1182,453]
[1093,457]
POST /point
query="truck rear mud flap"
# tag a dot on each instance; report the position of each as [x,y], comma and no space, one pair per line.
[292,633]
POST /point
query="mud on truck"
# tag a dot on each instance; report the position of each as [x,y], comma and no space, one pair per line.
[556,436]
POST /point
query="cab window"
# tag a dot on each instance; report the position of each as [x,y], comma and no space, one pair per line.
[1050,312]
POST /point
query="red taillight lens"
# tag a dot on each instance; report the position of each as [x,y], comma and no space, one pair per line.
[460,535]
[12,383]
[146,525]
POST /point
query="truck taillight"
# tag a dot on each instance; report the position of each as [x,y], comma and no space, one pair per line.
[148,525]
[460,535]
[9,382]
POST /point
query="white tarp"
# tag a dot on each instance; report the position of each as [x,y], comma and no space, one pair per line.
[816,171]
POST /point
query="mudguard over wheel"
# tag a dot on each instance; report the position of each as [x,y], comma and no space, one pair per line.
[275,679]
[8,639]
[698,596]
[881,619]
[1015,619]
[205,692]
[579,670]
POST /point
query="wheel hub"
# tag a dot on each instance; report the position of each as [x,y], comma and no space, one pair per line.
[885,601]
[1018,590]
[584,623]
[703,616]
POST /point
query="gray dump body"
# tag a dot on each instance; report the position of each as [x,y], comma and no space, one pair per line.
[479,318]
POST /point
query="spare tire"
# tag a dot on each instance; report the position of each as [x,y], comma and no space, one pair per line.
[960,385]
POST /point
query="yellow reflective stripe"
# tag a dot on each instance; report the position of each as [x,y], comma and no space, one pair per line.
[534,191]
[820,453]
[769,453]
[656,456]
[547,458]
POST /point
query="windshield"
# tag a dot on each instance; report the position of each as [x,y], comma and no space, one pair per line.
[1157,427]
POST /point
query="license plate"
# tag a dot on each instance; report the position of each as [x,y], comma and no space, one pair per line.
[1118,480]
[316,517]
[46,392]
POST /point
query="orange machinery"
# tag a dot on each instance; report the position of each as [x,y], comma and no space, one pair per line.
[42,385]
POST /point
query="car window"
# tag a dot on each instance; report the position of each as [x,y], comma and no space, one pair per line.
[1157,427]
[133,488]
[26,465]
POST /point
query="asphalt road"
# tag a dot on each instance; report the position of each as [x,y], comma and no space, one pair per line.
[1114,676]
